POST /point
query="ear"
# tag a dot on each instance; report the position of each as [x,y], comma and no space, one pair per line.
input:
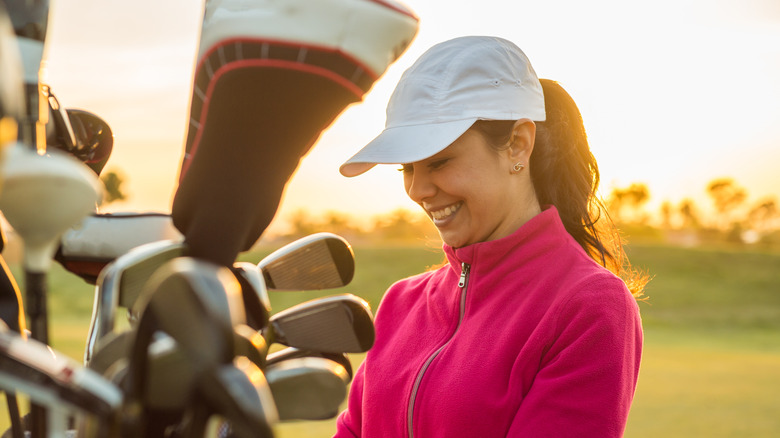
[521,143]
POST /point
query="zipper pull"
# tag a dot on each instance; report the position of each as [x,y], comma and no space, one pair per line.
[464,271]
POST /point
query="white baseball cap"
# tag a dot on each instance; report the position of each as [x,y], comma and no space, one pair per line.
[451,86]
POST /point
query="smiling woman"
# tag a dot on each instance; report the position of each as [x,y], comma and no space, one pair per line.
[528,257]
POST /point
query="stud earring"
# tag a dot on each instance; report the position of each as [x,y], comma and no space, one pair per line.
[518,167]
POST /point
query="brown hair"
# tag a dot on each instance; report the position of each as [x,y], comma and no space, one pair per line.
[565,174]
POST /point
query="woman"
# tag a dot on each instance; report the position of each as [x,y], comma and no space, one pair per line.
[525,332]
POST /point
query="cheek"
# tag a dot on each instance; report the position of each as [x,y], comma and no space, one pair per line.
[486,200]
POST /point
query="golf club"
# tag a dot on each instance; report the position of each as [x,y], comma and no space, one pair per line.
[120,283]
[197,304]
[307,388]
[293,353]
[318,261]
[240,393]
[186,293]
[253,290]
[334,324]
[42,197]
[170,378]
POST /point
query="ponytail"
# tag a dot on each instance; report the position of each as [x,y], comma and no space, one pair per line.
[565,174]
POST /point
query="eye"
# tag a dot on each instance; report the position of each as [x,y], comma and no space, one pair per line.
[438,163]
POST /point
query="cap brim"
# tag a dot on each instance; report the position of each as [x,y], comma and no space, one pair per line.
[405,144]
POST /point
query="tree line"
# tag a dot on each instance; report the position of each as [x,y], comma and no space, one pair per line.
[731,218]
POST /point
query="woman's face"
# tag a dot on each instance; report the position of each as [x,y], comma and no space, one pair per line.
[469,191]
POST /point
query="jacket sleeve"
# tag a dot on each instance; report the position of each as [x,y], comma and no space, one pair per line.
[349,422]
[587,377]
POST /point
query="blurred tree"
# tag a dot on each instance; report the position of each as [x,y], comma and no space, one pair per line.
[667,212]
[403,225]
[301,223]
[762,216]
[727,197]
[339,223]
[113,180]
[625,204]
[689,214]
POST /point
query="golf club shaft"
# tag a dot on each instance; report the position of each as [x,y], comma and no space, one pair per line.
[13,412]
[38,421]
[35,284]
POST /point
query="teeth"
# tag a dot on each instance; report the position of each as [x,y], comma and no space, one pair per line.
[445,212]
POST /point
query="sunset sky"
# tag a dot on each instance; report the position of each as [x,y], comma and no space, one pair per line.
[674,93]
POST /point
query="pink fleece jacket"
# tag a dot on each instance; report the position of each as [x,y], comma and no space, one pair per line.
[525,336]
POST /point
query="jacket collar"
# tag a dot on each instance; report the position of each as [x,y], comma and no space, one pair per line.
[537,236]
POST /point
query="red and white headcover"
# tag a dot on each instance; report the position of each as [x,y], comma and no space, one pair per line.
[372,32]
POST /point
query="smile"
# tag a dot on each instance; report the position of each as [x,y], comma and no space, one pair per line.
[446,212]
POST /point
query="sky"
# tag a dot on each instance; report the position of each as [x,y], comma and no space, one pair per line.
[673,93]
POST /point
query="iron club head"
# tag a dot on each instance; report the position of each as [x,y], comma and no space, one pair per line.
[293,353]
[307,388]
[318,261]
[240,393]
[334,324]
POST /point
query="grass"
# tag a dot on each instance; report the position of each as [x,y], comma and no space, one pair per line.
[712,335]
[707,383]
[710,288]
[712,344]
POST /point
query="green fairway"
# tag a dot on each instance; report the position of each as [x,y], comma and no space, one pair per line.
[712,335]
[707,384]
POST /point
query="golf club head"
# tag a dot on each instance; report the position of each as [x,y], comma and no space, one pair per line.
[136,267]
[255,294]
[93,137]
[318,261]
[170,376]
[307,388]
[294,353]
[239,392]
[334,324]
[196,303]
[120,284]
[44,195]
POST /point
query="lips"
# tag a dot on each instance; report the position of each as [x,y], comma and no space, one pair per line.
[444,213]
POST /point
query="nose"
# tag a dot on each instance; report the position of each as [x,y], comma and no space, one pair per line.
[419,185]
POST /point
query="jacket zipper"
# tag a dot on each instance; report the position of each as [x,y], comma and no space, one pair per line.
[463,285]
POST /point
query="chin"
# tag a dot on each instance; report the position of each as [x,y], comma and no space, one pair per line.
[449,241]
